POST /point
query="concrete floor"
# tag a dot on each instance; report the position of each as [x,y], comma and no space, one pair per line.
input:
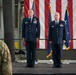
[45,67]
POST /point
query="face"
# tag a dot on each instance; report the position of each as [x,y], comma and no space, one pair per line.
[30,13]
[57,16]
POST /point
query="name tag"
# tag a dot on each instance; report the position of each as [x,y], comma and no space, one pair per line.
[35,22]
[61,25]
[52,26]
[26,22]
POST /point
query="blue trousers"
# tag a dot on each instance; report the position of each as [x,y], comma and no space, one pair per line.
[57,53]
[31,52]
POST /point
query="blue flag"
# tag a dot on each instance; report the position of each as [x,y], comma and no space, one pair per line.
[67,45]
[49,47]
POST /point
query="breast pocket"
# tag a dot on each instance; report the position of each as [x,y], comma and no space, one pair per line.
[26,23]
[33,26]
[61,28]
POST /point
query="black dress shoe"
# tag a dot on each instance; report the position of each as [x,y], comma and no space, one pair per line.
[58,66]
[27,66]
[53,66]
[32,66]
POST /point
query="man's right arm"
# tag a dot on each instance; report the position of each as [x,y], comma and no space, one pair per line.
[50,33]
[23,28]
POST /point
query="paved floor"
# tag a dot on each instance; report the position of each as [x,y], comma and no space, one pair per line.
[45,67]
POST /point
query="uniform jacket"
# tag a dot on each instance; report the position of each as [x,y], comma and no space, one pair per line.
[5,60]
[57,32]
[30,31]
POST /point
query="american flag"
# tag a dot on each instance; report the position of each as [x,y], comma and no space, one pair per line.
[33,7]
[42,12]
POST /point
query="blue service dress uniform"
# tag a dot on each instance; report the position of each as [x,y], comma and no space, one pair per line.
[30,31]
[57,33]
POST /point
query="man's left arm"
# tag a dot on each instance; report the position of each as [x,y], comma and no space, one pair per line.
[38,30]
[64,32]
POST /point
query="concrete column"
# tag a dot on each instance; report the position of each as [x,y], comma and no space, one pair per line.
[1,21]
[8,8]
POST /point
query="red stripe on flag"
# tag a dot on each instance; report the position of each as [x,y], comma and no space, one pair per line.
[37,14]
[58,7]
[46,21]
[26,7]
[70,9]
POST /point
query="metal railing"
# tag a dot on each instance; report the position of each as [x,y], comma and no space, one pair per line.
[18,43]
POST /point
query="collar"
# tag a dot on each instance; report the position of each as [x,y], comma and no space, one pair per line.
[30,17]
[57,21]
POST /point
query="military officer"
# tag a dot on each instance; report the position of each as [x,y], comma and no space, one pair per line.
[57,36]
[5,60]
[30,34]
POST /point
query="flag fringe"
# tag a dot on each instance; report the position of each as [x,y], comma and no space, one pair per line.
[49,55]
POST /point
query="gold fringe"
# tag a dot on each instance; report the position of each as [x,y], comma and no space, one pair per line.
[49,54]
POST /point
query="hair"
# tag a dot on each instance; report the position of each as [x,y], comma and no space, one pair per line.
[57,13]
[30,10]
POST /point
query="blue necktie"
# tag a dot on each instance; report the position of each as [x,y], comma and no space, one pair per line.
[30,20]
